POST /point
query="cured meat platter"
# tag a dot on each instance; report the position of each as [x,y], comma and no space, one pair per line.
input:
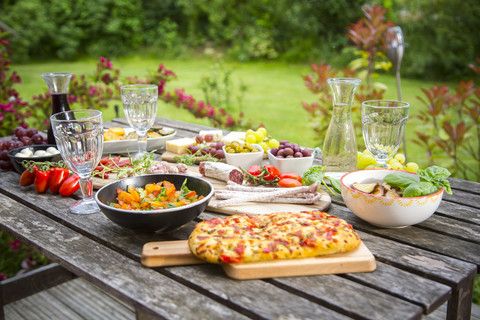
[173,253]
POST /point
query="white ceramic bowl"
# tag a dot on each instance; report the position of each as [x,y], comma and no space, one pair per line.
[382,211]
[245,160]
[291,165]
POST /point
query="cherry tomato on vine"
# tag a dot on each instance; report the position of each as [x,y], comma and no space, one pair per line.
[289,183]
[70,186]
[272,172]
[57,177]
[291,176]
[28,177]
[255,170]
[41,181]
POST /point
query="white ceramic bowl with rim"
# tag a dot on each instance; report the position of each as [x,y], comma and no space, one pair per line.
[245,160]
[291,165]
[386,212]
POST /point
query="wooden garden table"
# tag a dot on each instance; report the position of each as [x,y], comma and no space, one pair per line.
[419,268]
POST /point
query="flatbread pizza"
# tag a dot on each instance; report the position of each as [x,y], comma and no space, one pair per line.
[283,235]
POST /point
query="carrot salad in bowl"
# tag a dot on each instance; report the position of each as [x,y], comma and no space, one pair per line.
[155,196]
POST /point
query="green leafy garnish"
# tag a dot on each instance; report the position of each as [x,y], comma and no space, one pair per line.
[191,158]
[316,173]
[432,179]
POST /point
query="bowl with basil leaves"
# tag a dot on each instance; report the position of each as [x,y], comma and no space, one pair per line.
[394,198]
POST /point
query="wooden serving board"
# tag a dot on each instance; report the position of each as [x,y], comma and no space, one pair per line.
[248,207]
[260,207]
[172,253]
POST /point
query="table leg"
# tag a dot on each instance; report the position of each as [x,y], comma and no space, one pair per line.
[460,303]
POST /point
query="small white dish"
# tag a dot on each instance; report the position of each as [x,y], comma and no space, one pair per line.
[291,165]
[245,160]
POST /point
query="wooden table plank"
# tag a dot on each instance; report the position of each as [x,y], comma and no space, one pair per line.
[143,288]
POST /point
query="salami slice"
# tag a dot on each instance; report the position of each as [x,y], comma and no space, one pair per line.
[220,171]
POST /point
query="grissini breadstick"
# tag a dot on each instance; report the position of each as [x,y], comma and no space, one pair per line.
[261,195]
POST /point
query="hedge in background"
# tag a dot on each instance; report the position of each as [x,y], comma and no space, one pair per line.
[441,35]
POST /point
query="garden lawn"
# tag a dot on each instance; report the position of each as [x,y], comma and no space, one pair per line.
[274,95]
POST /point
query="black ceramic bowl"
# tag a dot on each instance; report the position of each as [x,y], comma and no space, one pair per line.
[159,220]
[17,161]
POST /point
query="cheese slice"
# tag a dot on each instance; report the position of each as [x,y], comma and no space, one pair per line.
[179,145]
[234,136]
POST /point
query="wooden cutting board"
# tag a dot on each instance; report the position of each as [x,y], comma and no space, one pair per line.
[248,207]
[260,207]
[172,253]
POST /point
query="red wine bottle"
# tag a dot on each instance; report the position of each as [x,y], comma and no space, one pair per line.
[59,104]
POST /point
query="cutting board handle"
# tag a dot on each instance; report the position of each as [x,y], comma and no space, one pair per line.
[168,253]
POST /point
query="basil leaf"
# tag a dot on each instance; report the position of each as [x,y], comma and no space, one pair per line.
[400,180]
[313,174]
[419,188]
[336,184]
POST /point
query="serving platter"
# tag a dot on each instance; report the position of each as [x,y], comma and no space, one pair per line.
[172,253]
[131,145]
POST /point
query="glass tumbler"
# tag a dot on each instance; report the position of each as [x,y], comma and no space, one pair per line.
[140,108]
[79,136]
[383,127]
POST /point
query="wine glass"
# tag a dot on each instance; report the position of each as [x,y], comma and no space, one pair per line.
[79,136]
[383,127]
[140,108]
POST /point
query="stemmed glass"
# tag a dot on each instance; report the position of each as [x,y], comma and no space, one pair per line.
[140,108]
[79,136]
[383,127]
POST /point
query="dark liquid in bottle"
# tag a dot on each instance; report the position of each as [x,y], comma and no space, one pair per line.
[59,104]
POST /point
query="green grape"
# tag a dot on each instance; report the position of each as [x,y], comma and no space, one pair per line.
[367,152]
[396,165]
[250,138]
[365,160]
[400,157]
[411,166]
[273,143]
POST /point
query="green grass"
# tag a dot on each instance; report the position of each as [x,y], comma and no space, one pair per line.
[274,96]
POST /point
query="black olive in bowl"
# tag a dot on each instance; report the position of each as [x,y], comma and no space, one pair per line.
[157,220]
[17,160]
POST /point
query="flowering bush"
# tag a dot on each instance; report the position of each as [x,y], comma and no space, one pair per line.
[17,258]
[450,126]
[13,111]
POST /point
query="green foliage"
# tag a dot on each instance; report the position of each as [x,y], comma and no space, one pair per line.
[367,35]
[441,37]
[221,90]
[450,125]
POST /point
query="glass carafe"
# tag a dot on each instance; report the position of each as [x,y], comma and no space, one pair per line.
[57,83]
[339,152]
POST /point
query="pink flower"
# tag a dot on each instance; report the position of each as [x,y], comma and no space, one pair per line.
[14,245]
[3,276]
[27,263]
[102,59]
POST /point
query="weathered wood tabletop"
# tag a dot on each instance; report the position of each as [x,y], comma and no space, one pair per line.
[419,268]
